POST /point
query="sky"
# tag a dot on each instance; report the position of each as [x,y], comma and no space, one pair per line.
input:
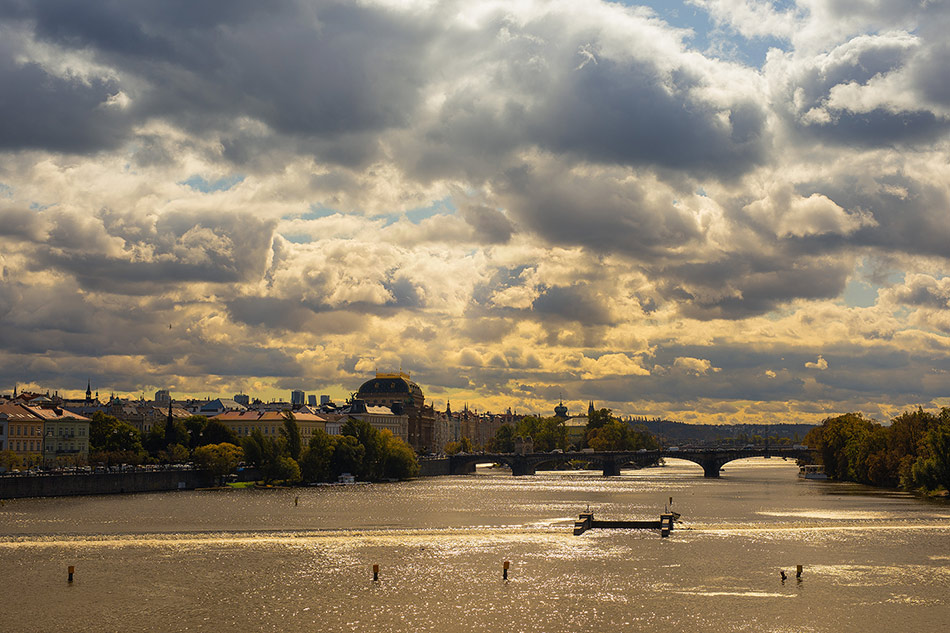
[715,211]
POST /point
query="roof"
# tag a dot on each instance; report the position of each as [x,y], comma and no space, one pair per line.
[223,403]
[389,384]
[16,412]
[56,415]
[264,416]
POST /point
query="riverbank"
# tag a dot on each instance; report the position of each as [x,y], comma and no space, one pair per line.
[67,485]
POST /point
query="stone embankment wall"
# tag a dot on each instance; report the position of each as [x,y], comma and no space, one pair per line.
[103,483]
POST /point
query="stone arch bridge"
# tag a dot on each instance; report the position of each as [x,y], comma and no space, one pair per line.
[711,459]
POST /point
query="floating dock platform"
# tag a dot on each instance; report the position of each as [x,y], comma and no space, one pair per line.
[586,521]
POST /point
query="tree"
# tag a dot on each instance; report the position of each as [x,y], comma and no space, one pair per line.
[399,460]
[220,459]
[462,446]
[938,440]
[504,440]
[216,432]
[107,433]
[195,425]
[291,433]
[315,464]
[267,454]
[347,456]
[371,465]
[620,436]
[9,459]
[286,469]
[174,454]
[599,419]
[830,442]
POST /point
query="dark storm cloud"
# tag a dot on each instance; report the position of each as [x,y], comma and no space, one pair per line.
[923,291]
[627,114]
[601,212]
[572,303]
[179,246]
[42,111]
[879,127]
[490,225]
[855,65]
[745,285]
[238,360]
[327,70]
[21,224]
[56,317]
[910,214]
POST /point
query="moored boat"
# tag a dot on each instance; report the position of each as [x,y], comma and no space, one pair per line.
[812,471]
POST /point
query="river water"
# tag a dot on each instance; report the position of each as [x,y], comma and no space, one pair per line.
[253,560]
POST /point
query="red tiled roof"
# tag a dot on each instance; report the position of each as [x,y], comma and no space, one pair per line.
[264,416]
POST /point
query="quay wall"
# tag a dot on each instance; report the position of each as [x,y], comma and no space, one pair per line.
[103,483]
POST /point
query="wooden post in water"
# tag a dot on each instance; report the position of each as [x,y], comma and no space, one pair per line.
[70,571]
[798,572]
[504,573]
[375,573]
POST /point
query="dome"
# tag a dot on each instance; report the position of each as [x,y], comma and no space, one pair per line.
[390,385]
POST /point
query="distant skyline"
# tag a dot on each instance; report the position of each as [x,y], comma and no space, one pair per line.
[719,211]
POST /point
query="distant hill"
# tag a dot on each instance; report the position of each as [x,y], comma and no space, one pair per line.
[669,432]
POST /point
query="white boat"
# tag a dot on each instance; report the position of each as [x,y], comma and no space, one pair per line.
[812,471]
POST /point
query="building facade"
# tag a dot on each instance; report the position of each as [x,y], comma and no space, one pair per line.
[65,436]
[24,432]
[380,418]
[398,392]
[269,423]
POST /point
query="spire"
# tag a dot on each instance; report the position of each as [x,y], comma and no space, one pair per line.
[169,426]
[590,410]
[88,390]
[448,408]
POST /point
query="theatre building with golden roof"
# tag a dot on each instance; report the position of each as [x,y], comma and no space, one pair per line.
[398,392]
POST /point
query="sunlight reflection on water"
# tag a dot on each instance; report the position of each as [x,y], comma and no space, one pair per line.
[212,562]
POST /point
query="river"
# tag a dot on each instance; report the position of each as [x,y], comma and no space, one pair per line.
[254,560]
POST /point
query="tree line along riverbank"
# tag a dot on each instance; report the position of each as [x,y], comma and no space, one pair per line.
[912,452]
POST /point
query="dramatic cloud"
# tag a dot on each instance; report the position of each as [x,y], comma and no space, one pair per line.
[515,201]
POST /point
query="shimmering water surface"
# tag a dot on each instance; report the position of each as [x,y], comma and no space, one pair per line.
[249,560]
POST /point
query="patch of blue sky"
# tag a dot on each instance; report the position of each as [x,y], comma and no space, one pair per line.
[200,183]
[6,191]
[445,206]
[439,207]
[318,211]
[38,206]
[862,291]
[712,39]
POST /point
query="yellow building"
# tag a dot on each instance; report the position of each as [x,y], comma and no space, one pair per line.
[65,435]
[243,423]
[24,432]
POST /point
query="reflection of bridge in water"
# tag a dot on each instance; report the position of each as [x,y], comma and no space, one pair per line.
[711,459]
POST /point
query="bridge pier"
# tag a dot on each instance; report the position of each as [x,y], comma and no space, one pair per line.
[459,467]
[520,466]
[611,468]
[711,468]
